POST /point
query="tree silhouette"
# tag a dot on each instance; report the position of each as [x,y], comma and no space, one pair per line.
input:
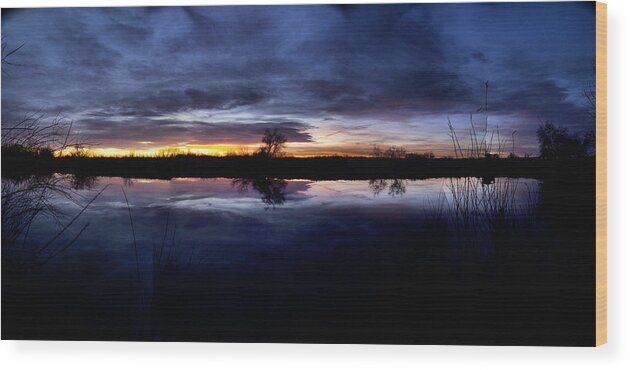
[556,142]
[274,143]
[391,152]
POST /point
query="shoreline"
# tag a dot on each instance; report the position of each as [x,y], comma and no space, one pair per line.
[314,168]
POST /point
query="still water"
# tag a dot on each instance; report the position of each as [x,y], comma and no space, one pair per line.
[439,261]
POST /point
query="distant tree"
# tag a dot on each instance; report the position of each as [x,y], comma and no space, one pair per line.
[395,152]
[274,143]
[391,152]
[377,151]
[557,142]
[78,151]
[242,151]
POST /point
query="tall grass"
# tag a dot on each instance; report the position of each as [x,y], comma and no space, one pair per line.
[33,137]
[482,143]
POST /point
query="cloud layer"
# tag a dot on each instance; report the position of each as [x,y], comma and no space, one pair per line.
[329,76]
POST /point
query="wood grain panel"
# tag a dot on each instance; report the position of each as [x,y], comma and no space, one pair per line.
[600,269]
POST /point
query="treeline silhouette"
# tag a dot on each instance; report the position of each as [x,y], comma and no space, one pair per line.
[315,168]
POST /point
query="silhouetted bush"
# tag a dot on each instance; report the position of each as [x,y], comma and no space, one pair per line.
[557,142]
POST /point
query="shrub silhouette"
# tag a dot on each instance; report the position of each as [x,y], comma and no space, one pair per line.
[557,142]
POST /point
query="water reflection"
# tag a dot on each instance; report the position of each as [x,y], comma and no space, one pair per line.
[201,259]
[395,187]
[81,182]
[272,190]
[35,198]
[483,216]
[473,203]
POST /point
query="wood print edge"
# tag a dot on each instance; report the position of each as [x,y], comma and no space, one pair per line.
[601,196]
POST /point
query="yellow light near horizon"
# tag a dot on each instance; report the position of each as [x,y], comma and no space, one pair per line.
[299,150]
[213,150]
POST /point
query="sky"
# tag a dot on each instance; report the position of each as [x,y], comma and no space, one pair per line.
[335,79]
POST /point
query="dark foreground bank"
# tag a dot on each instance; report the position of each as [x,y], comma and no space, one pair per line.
[318,168]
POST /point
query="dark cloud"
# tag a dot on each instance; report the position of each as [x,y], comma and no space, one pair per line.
[172,132]
[165,102]
[225,72]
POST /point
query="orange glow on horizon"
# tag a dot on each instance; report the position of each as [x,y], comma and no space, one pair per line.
[218,150]
[300,150]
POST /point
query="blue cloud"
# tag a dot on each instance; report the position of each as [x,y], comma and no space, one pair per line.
[323,67]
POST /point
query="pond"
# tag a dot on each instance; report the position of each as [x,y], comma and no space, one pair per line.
[435,261]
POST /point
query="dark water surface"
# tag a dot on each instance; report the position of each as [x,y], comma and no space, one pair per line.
[440,261]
